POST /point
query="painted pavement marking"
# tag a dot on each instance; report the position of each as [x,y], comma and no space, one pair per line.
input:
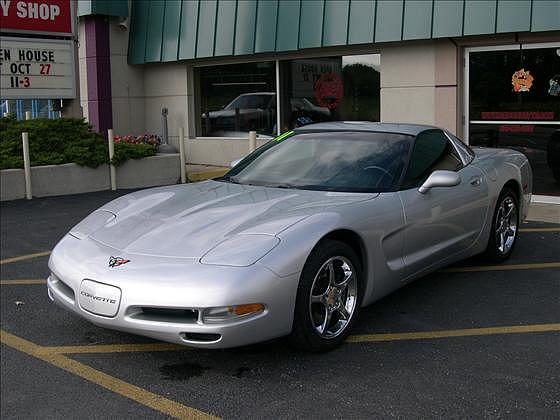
[22,282]
[529,230]
[469,269]
[114,348]
[470,332]
[357,338]
[118,386]
[46,253]
[24,257]
[502,267]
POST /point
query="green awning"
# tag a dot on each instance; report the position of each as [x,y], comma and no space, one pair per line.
[163,31]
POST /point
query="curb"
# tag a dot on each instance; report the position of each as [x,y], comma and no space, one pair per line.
[203,176]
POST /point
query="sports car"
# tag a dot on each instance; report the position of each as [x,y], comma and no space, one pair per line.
[295,239]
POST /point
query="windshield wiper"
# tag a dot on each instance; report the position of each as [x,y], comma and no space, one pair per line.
[286,186]
[227,179]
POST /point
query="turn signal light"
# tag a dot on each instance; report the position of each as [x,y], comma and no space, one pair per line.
[229,313]
[248,309]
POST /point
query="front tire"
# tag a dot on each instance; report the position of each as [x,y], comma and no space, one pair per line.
[505,227]
[328,298]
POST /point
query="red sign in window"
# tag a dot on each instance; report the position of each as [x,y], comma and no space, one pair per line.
[44,16]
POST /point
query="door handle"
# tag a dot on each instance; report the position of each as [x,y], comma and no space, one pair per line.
[476,181]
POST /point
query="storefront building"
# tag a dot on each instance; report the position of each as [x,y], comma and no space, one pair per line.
[487,70]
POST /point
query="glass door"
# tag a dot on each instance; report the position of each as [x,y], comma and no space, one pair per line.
[513,101]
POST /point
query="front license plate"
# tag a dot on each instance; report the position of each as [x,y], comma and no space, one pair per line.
[99,298]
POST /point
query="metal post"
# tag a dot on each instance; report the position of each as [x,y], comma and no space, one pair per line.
[278,115]
[164,113]
[26,165]
[182,156]
[165,147]
[27,115]
[113,173]
[237,125]
[252,141]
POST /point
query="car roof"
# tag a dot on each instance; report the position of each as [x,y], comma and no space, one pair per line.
[258,93]
[398,128]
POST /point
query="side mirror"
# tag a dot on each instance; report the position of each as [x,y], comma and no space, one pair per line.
[440,179]
[235,162]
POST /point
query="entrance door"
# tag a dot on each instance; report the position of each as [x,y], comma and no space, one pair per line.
[513,101]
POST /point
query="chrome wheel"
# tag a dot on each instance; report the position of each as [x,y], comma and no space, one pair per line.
[333,297]
[505,227]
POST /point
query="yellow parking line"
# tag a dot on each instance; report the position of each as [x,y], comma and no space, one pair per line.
[539,230]
[113,348]
[22,281]
[214,174]
[118,386]
[502,267]
[24,257]
[359,338]
[517,329]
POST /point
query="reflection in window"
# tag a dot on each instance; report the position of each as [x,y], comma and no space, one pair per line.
[330,89]
[235,99]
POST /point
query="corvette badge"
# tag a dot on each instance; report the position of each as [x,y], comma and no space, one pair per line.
[116,261]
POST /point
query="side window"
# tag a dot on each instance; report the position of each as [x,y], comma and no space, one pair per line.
[432,151]
[466,152]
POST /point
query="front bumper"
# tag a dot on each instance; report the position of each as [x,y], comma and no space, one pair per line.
[155,289]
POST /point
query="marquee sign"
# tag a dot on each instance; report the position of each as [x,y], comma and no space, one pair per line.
[36,68]
[47,17]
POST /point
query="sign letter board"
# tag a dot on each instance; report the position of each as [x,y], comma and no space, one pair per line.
[36,68]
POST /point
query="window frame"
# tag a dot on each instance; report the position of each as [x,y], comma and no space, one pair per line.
[411,152]
[466,154]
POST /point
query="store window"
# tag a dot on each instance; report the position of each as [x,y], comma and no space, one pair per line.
[39,108]
[514,102]
[234,99]
[237,98]
[330,89]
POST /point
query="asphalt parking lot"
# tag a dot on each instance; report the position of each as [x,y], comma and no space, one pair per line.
[469,341]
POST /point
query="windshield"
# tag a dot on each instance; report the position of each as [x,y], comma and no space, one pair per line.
[329,161]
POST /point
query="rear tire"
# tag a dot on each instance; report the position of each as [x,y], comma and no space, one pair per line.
[328,298]
[505,227]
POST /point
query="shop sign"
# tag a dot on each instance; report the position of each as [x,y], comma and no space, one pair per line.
[517,128]
[329,90]
[50,17]
[307,72]
[518,115]
[522,80]
[36,68]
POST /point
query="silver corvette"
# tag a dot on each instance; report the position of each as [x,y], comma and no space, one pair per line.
[294,239]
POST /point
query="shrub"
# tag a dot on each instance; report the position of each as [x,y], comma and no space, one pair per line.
[65,140]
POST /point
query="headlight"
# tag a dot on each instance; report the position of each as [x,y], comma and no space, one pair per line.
[230,313]
[90,224]
[241,250]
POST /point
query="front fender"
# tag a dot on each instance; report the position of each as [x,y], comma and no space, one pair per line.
[297,242]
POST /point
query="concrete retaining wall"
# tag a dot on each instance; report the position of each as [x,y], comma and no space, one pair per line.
[69,178]
[12,184]
[149,172]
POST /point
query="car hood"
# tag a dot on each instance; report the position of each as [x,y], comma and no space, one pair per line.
[189,220]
